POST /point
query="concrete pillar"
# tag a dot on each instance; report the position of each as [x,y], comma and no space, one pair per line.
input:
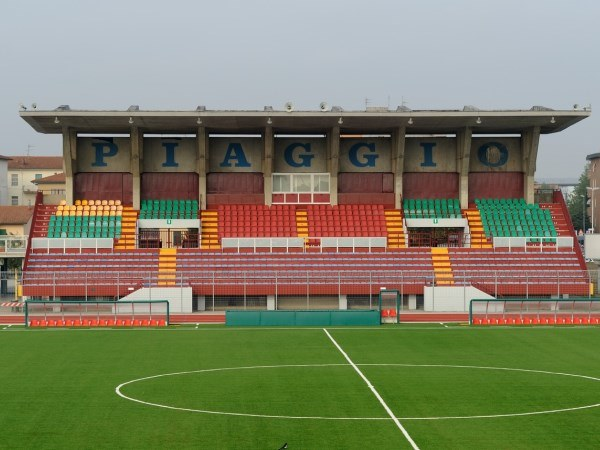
[267,164]
[270,302]
[530,140]
[412,302]
[343,302]
[136,143]
[201,303]
[333,162]
[398,146]
[463,158]
[69,161]
[201,164]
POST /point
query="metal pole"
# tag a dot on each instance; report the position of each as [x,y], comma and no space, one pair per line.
[307,292]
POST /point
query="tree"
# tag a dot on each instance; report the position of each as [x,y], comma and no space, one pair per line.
[578,201]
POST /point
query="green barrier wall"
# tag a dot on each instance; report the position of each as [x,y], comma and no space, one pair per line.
[301,318]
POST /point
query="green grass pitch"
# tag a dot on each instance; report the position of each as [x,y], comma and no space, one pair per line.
[59,388]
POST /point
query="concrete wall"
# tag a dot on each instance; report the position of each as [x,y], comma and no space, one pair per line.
[180,299]
[451,298]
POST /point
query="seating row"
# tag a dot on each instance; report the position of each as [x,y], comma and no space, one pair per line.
[84,202]
[77,322]
[441,208]
[168,209]
[514,217]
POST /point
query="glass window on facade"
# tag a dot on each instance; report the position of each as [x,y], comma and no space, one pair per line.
[321,183]
[302,183]
[281,183]
[14,179]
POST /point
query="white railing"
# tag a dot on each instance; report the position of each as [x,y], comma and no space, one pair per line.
[13,244]
[533,242]
[302,243]
[71,243]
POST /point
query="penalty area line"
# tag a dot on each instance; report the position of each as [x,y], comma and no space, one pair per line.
[374,391]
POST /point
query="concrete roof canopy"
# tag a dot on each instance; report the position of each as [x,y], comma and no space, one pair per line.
[365,122]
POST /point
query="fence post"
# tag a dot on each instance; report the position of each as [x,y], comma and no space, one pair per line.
[276,290]
[244,280]
[370,289]
[54,286]
[496,283]
[213,291]
[340,289]
[307,292]
[86,286]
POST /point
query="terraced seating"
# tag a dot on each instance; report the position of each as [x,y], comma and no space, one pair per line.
[514,217]
[84,227]
[346,221]
[257,221]
[169,209]
[521,272]
[82,208]
[438,208]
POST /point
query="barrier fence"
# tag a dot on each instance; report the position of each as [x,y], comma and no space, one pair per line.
[219,290]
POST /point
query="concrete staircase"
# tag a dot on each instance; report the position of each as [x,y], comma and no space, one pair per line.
[478,237]
[395,228]
[209,221]
[167,265]
[442,267]
[128,226]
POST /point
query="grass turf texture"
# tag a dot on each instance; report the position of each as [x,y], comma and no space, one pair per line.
[58,387]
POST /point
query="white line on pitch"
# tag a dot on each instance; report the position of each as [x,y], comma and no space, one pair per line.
[374,391]
[443,324]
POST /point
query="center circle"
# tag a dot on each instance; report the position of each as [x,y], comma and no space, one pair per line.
[326,387]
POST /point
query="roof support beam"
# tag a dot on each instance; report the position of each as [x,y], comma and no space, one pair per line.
[398,146]
[530,140]
[267,163]
[463,158]
[202,164]
[333,162]
[136,157]
[69,160]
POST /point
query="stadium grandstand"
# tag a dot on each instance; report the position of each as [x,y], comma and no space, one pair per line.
[286,210]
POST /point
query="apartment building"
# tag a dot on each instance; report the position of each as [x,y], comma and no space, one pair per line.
[23,171]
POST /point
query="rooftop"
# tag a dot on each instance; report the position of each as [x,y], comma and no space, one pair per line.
[35,162]
[15,215]
[378,121]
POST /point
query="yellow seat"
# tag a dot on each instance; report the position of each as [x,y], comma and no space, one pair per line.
[104,203]
[77,202]
[63,203]
[84,202]
[118,202]
[111,202]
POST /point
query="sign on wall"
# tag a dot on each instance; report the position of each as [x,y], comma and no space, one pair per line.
[430,154]
[231,154]
[496,154]
[365,155]
[293,155]
[103,154]
[169,155]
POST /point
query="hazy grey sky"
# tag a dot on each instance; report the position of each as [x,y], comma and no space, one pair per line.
[245,54]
